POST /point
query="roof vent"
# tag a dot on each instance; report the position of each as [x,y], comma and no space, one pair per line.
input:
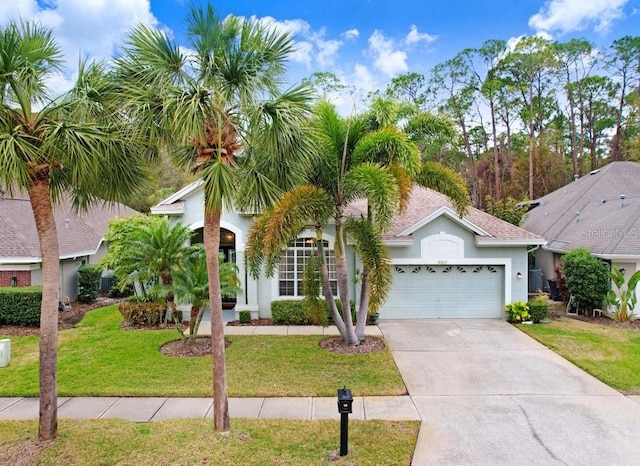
[577,216]
[622,196]
[604,201]
[575,177]
[67,223]
[594,172]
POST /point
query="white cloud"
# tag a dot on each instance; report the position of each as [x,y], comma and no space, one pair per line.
[291,26]
[414,36]
[302,52]
[15,9]
[327,50]
[387,58]
[310,45]
[351,34]
[363,77]
[577,15]
[81,27]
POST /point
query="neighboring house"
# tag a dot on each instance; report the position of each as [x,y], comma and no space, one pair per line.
[80,236]
[600,212]
[444,266]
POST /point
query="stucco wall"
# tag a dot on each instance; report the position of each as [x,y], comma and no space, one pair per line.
[260,293]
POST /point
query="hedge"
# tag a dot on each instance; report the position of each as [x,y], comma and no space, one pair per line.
[292,312]
[20,306]
[88,282]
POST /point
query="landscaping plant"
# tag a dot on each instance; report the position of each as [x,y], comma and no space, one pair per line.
[517,312]
[624,298]
[538,308]
[587,278]
[88,282]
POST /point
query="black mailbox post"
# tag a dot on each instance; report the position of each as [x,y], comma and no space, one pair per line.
[345,407]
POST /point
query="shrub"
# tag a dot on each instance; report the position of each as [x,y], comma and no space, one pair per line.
[244,316]
[562,284]
[116,292]
[294,312]
[538,310]
[289,312]
[517,312]
[88,282]
[20,306]
[138,312]
[587,278]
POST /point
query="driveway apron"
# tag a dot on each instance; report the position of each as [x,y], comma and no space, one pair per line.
[490,395]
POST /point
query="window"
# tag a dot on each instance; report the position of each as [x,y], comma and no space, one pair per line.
[291,269]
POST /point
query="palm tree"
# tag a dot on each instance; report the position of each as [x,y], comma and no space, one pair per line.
[191,284]
[154,251]
[75,145]
[219,111]
[354,162]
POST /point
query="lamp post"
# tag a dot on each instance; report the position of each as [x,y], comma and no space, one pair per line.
[345,407]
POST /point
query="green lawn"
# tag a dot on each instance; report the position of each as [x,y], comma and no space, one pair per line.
[180,441]
[98,358]
[609,354]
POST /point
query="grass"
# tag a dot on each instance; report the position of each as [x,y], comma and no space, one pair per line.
[180,441]
[610,354]
[98,358]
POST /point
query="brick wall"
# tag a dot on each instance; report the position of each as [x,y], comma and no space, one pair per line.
[23,276]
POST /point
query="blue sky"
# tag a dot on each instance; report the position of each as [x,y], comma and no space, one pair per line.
[364,42]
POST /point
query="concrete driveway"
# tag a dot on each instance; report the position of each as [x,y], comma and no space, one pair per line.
[490,395]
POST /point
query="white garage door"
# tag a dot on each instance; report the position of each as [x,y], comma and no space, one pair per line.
[451,291]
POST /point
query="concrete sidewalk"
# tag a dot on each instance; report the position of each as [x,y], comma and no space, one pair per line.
[140,409]
[205,329]
[159,408]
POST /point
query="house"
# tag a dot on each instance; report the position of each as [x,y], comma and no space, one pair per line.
[599,212]
[80,237]
[444,266]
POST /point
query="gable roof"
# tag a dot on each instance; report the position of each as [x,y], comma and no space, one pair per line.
[174,204]
[78,233]
[590,213]
[425,205]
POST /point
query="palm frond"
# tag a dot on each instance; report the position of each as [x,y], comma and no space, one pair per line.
[388,145]
[374,256]
[378,185]
[448,182]
[220,183]
[426,125]
[276,227]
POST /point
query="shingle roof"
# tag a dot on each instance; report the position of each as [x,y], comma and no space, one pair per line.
[78,233]
[590,213]
[426,202]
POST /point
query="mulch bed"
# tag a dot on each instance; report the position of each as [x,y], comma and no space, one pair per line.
[200,347]
[558,310]
[251,323]
[337,345]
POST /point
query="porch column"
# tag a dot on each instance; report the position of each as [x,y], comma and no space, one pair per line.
[249,299]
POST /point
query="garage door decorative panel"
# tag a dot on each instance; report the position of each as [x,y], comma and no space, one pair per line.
[451,291]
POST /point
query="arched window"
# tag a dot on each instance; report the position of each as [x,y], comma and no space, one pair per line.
[293,261]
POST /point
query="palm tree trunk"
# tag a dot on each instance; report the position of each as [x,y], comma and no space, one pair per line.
[343,282]
[326,287]
[363,307]
[220,398]
[48,236]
